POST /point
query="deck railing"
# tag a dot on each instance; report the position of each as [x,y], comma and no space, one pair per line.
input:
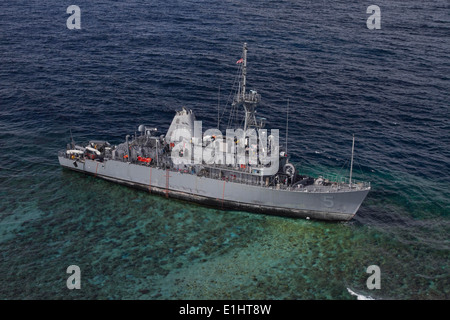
[244,176]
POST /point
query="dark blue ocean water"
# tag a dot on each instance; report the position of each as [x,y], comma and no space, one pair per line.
[137,62]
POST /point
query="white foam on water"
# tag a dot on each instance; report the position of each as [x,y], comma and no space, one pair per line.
[359,296]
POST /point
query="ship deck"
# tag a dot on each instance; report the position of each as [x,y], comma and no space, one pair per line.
[246,175]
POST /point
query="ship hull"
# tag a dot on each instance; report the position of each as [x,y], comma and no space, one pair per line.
[333,206]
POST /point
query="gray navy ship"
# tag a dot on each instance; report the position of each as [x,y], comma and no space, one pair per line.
[245,169]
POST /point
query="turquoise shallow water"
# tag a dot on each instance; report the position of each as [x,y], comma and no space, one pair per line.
[137,63]
[130,245]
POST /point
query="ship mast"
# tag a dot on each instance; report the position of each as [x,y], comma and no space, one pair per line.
[351,162]
[248,100]
[244,71]
[287,124]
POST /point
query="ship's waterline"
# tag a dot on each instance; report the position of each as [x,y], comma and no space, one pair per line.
[315,204]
